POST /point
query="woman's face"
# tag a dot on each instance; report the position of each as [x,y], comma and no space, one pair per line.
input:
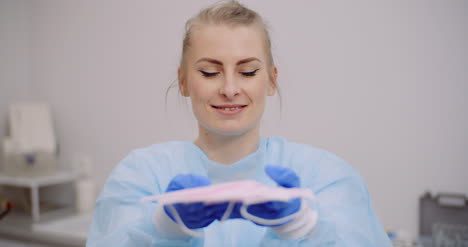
[226,75]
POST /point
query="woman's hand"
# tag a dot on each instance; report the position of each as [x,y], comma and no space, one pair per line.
[198,215]
[284,177]
[193,215]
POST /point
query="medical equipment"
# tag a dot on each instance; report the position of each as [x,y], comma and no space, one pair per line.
[246,192]
[443,220]
[31,148]
[283,176]
[286,178]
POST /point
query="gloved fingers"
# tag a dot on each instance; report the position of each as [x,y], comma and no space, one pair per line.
[183,181]
[197,222]
[194,223]
[267,210]
[193,215]
[197,208]
[221,208]
[235,214]
[283,176]
[184,209]
[275,209]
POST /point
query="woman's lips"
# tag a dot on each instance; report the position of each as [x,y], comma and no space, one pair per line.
[229,109]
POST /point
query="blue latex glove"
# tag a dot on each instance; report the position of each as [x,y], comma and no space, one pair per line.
[194,215]
[284,177]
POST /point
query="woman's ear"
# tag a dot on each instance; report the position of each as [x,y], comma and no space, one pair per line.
[182,83]
[272,86]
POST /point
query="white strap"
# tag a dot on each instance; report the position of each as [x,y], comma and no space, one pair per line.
[303,225]
[268,222]
[165,227]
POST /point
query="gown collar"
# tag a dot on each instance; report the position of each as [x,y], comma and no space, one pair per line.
[249,167]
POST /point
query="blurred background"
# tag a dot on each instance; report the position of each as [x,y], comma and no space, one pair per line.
[383,84]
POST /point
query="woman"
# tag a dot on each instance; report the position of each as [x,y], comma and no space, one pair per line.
[227,71]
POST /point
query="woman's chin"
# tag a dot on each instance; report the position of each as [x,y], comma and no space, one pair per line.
[227,130]
[230,132]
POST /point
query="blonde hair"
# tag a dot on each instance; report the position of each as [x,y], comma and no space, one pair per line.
[230,13]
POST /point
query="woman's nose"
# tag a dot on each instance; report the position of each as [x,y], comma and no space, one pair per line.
[230,88]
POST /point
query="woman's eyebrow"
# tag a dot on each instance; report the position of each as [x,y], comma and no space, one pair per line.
[214,61]
[248,60]
[209,60]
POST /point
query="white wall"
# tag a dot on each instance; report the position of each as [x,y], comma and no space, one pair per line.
[15,83]
[382,84]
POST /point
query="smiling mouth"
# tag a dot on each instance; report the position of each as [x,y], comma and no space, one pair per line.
[229,107]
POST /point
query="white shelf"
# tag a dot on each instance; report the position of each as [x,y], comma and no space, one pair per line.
[34,183]
[59,177]
[58,225]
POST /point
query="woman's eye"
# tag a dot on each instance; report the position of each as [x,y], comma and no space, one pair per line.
[208,74]
[251,73]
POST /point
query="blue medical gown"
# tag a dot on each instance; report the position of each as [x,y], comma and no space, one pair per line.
[346,216]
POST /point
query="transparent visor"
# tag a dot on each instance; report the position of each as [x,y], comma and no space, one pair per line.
[227,213]
[246,192]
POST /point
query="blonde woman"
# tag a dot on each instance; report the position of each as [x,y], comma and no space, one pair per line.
[227,71]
